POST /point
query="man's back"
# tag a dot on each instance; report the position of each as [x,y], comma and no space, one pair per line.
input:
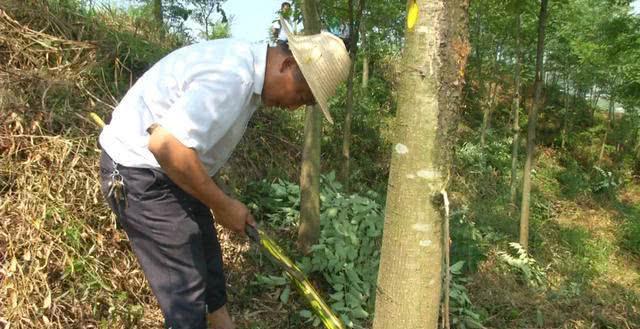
[204,94]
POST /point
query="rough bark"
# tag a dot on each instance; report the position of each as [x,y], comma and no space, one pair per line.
[531,130]
[429,95]
[515,110]
[309,229]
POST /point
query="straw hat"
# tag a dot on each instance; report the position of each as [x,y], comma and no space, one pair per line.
[324,62]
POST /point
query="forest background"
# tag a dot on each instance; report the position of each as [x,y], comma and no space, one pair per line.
[65,265]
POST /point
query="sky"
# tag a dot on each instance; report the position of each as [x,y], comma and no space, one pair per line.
[251,19]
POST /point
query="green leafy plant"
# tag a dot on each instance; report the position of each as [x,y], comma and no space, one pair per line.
[347,253]
[604,182]
[276,203]
[463,315]
[518,261]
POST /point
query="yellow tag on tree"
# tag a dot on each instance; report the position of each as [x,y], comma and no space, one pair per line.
[412,16]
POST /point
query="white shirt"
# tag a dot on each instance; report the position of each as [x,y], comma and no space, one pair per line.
[203,94]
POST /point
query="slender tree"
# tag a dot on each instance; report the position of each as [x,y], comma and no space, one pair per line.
[309,229]
[531,130]
[156,9]
[365,55]
[429,94]
[355,15]
[515,110]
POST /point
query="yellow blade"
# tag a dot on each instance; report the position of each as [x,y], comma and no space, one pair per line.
[324,312]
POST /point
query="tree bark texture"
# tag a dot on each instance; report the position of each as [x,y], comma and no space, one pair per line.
[531,130]
[309,229]
[429,95]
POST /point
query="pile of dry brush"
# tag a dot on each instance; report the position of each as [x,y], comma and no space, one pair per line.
[62,263]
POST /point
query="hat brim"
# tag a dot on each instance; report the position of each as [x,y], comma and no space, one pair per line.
[308,73]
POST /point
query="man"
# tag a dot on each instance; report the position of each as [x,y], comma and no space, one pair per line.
[286,15]
[173,130]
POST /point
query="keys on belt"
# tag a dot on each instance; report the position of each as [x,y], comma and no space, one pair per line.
[117,189]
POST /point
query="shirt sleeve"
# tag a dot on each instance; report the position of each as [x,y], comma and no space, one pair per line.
[206,110]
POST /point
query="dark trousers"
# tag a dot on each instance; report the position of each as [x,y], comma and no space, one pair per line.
[173,237]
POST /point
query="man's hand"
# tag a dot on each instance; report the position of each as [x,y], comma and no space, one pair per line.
[234,215]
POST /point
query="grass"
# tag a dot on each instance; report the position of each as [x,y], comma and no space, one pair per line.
[585,242]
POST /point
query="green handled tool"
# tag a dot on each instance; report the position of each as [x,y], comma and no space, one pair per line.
[273,251]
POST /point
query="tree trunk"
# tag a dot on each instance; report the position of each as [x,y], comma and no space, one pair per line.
[346,132]
[488,110]
[602,146]
[531,130]
[612,111]
[157,15]
[309,230]
[565,119]
[429,94]
[609,127]
[516,117]
[354,22]
[365,59]
[489,104]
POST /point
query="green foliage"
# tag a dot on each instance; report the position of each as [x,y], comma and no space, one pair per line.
[470,241]
[370,146]
[604,182]
[517,260]
[495,156]
[589,255]
[631,233]
[276,203]
[630,237]
[347,253]
[219,30]
[463,315]
[573,180]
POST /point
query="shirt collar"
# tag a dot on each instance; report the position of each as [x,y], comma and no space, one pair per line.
[259,66]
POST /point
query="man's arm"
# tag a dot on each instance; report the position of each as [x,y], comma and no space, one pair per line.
[184,167]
